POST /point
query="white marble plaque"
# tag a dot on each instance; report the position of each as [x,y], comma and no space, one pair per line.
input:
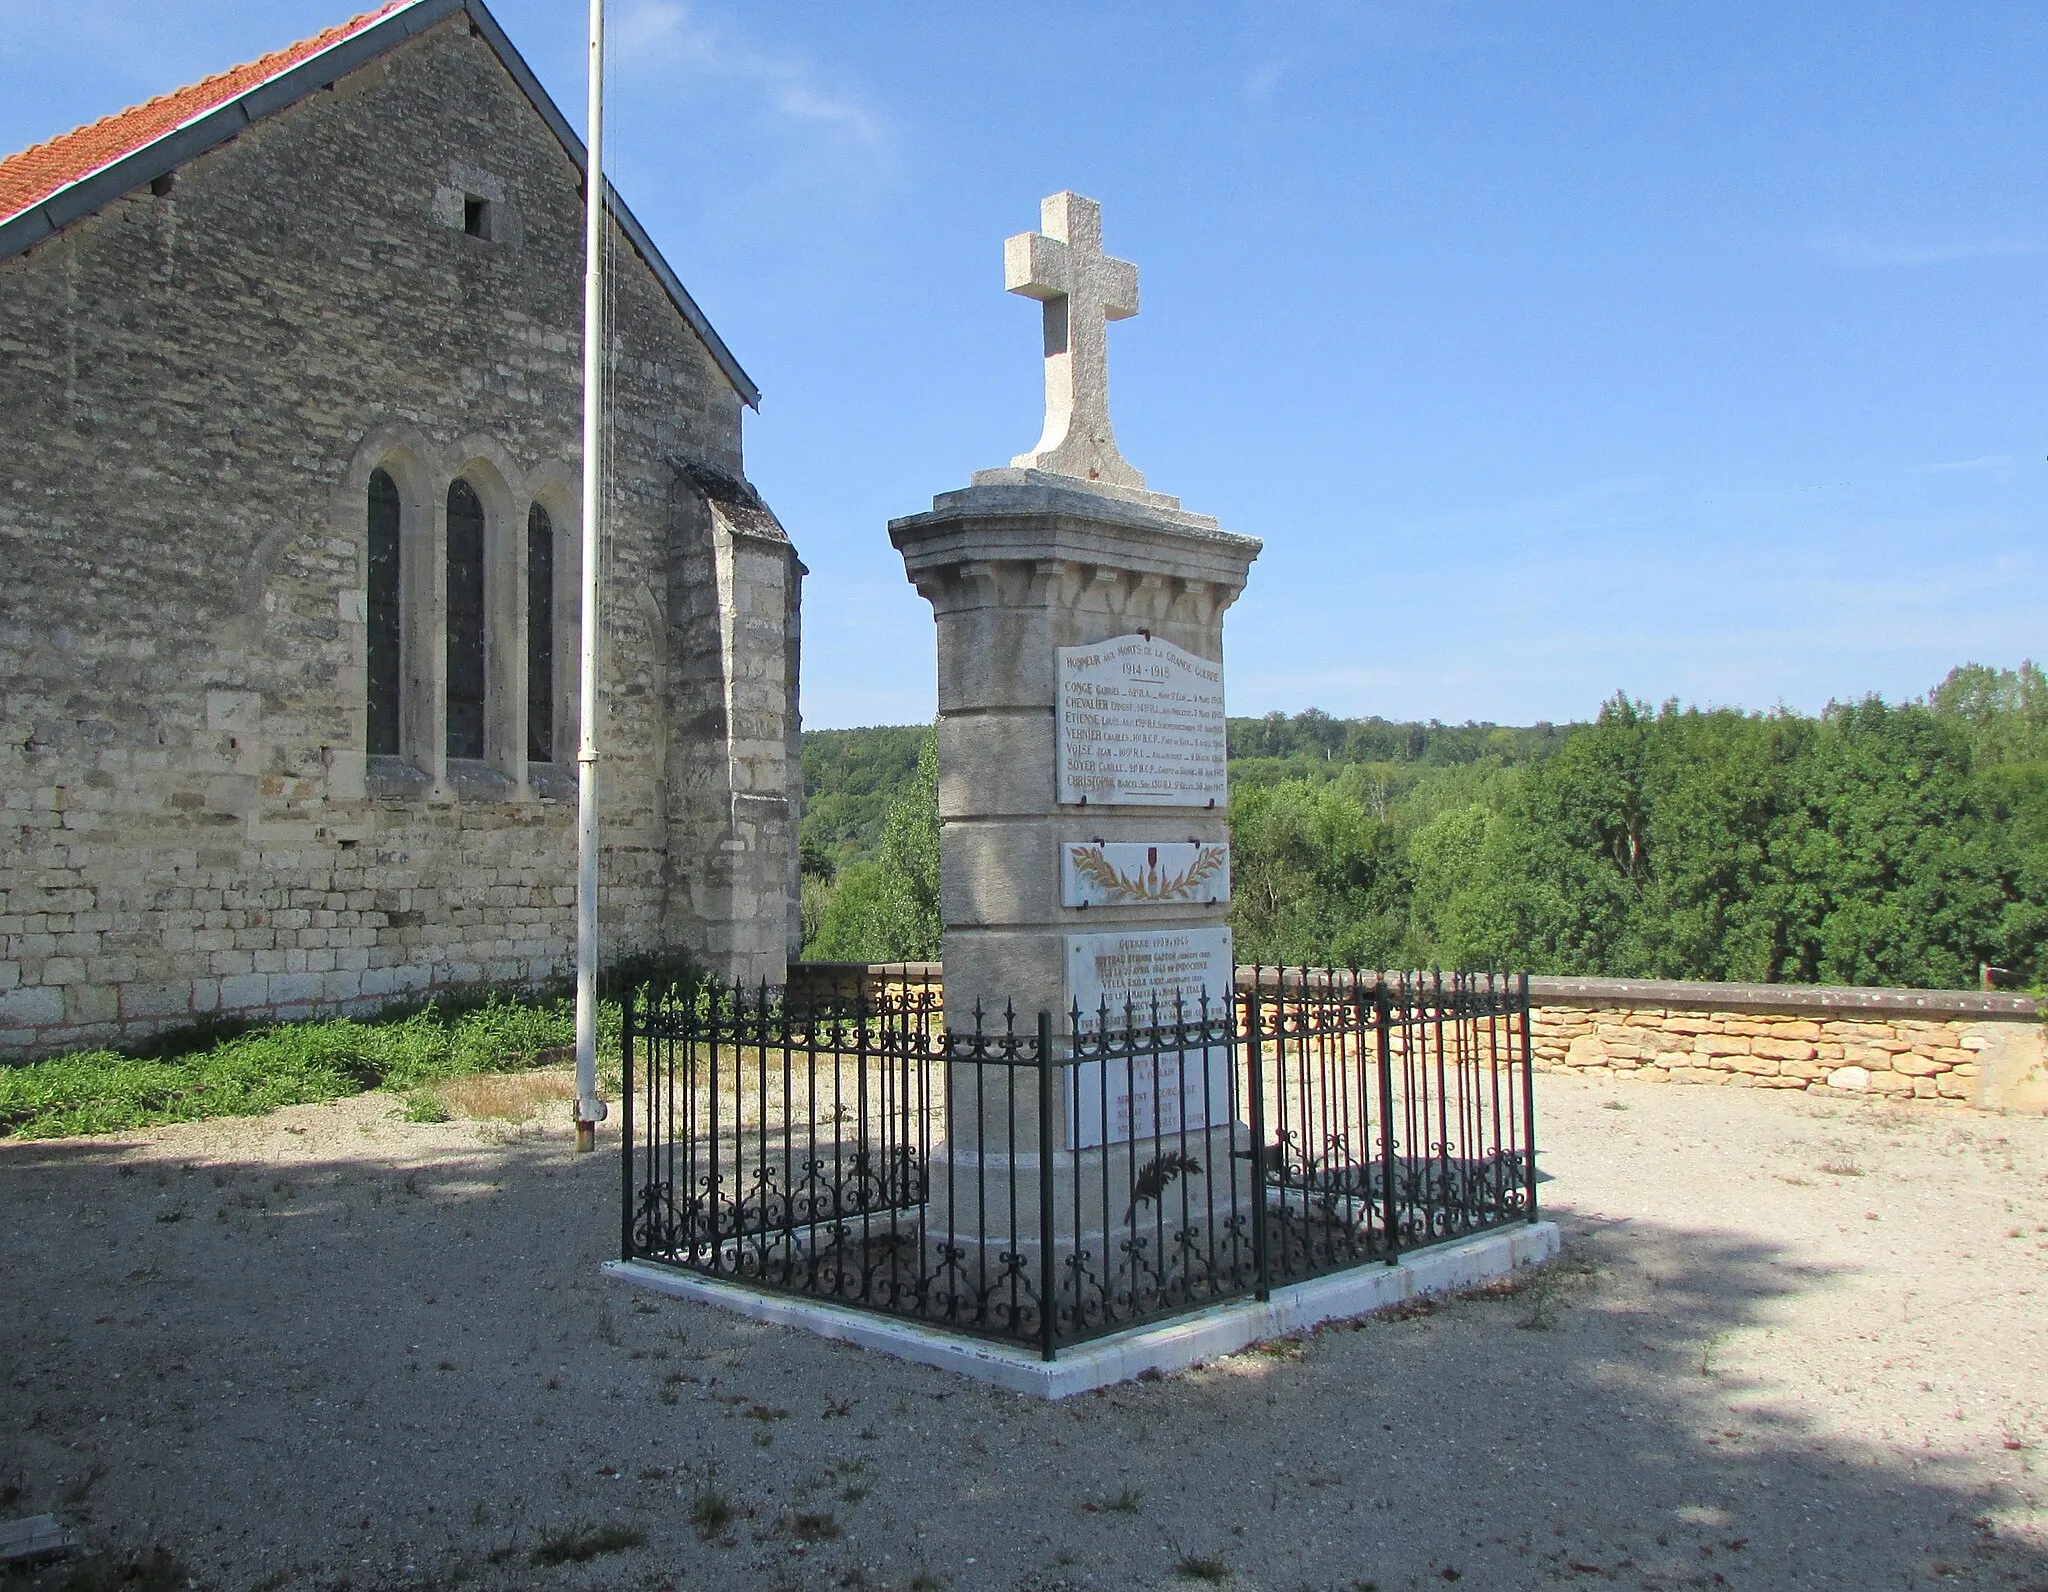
[1148,1098]
[1095,873]
[1141,724]
[1139,966]
[1181,1091]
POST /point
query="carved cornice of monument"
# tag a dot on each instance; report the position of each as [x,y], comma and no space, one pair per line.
[1034,523]
[1135,598]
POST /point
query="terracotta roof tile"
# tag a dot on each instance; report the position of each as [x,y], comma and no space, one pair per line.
[33,175]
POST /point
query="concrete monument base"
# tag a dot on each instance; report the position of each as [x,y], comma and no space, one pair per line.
[1171,1345]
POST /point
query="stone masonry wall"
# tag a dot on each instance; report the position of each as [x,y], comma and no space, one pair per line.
[1914,1044]
[199,383]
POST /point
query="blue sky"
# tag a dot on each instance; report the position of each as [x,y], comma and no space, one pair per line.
[1695,350]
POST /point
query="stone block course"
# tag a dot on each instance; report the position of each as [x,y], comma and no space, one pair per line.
[1722,1039]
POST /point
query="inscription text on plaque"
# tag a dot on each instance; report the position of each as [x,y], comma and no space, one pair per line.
[1185,1088]
[1141,724]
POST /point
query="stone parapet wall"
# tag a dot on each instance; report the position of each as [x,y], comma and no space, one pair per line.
[1954,1046]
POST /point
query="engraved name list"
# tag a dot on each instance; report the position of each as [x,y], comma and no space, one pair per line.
[1141,724]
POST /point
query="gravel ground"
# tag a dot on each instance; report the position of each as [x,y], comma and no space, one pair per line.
[1791,1344]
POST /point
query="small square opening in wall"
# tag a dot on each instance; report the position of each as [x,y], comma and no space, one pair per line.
[476,216]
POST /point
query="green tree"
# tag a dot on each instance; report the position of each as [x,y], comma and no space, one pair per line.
[886,909]
[1315,878]
[2004,712]
[1885,858]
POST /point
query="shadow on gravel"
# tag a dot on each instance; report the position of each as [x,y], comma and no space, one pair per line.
[399,1369]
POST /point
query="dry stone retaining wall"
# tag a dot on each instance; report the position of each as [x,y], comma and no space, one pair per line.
[1956,1046]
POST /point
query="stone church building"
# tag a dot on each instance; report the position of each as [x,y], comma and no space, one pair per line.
[290,443]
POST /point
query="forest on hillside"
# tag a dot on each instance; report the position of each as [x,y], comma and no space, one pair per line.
[1874,843]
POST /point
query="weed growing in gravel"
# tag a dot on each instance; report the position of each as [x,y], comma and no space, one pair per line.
[256,1071]
[1201,1567]
[1124,1503]
[581,1545]
[422,1106]
[95,1472]
[1541,1317]
[711,1511]
[1841,1169]
[815,1527]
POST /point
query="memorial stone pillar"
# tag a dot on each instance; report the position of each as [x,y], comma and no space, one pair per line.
[1082,797]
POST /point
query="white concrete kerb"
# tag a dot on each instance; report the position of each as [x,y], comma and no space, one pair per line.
[1168,1346]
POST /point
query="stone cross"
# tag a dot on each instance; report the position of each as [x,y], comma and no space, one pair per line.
[1081,288]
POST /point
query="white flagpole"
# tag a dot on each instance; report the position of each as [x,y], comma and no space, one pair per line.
[589,1109]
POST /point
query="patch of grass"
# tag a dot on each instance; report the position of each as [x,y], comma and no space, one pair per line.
[711,1511]
[1124,1503]
[425,1106]
[506,1097]
[814,1527]
[253,1071]
[580,1546]
[1202,1567]
[1841,1169]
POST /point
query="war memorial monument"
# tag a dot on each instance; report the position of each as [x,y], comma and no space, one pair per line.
[1117,1153]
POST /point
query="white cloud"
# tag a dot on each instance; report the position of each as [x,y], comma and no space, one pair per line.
[674,35]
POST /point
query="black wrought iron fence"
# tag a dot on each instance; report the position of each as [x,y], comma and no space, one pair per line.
[1049,1182]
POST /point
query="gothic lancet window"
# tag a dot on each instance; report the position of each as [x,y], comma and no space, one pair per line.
[465,621]
[383,611]
[540,636]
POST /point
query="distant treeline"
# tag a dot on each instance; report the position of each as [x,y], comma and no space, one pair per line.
[1873,844]
[851,776]
[1314,736]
